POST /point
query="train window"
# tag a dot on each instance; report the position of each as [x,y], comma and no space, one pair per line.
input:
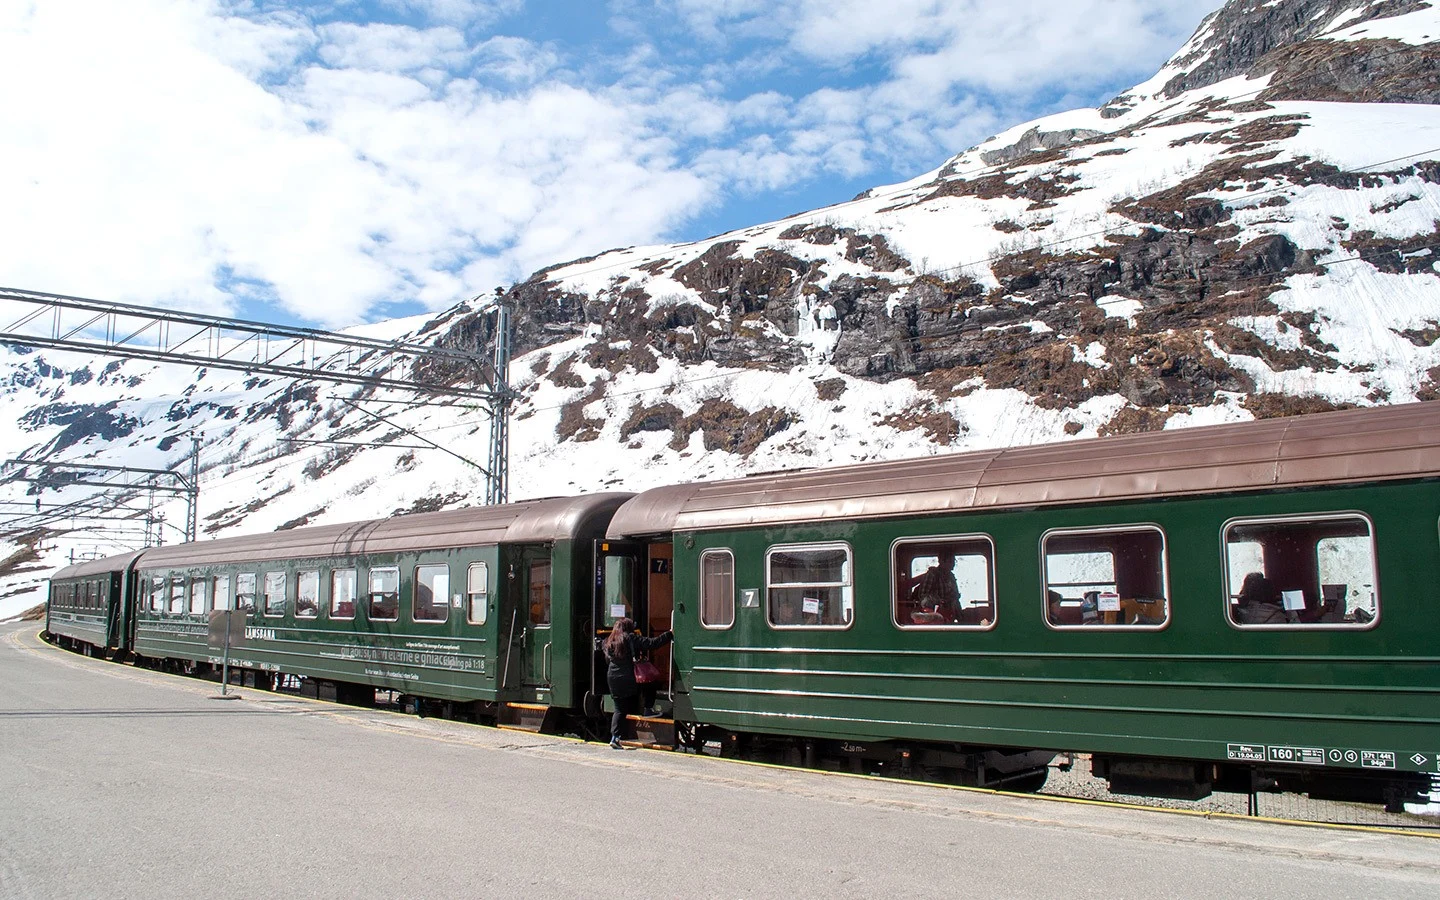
[307,595]
[199,594]
[157,594]
[245,592]
[717,589]
[222,592]
[342,594]
[274,593]
[384,595]
[432,593]
[1301,572]
[1106,577]
[177,595]
[810,586]
[477,592]
[540,592]
[944,582]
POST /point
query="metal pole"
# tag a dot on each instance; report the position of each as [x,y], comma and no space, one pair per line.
[498,489]
[225,663]
[192,497]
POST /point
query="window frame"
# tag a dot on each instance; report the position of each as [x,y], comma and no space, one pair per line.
[177,604]
[370,594]
[700,613]
[847,585]
[332,612]
[215,592]
[254,607]
[284,593]
[471,595]
[1169,596]
[933,539]
[299,583]
[1298,518]
[203,595]
[415,595]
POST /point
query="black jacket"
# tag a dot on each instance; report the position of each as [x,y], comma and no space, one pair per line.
[621,673]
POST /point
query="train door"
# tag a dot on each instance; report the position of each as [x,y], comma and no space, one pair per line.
[532,581]
[632,580]
[660,601]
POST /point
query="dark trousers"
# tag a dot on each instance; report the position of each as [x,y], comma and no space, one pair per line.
[624,706]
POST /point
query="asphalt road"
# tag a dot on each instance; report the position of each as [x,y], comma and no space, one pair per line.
[123,783]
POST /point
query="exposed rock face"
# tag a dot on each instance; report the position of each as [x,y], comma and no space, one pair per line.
[1034,140]
[1252,37]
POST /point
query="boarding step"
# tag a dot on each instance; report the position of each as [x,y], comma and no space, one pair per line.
[653,731]
[536,717]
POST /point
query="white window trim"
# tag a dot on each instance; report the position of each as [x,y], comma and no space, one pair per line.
[924,539]
[330,613]
[1300,518]
[263,598]
[483,595]
[444,601]
[369,604]
[1108,529]
[700,613]
[848,585]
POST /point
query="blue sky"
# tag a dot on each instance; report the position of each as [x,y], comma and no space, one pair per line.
[338,162]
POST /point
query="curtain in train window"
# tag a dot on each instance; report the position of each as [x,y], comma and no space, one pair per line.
[717,589]
[1302,572]
[810,586]
[177,595]
[432,593]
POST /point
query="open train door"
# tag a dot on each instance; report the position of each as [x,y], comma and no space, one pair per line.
[618,593]
[632,579]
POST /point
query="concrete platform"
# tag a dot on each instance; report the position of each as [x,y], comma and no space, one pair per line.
[129,783]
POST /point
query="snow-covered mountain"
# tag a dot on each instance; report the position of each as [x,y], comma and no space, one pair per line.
[1252,232]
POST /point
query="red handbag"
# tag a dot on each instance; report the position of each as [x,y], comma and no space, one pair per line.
[646,672]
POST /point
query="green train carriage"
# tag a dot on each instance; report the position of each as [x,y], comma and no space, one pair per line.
[475,607]
[1098,608]
[85,609]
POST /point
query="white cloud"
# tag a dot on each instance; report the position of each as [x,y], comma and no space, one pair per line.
[199,152]
[149,166]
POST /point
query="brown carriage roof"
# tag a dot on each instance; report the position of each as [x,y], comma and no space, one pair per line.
[1384,443]
[118,563]
[530,521]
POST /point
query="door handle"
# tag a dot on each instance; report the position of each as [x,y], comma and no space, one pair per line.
[545,661]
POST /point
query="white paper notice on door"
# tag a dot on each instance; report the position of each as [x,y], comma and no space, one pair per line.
[617,610]
[810,606]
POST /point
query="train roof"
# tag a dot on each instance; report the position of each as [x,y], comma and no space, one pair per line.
[104,566]
[1378,444]
[529,521]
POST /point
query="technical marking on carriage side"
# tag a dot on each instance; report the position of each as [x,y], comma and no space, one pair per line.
[1245,752]
[1305,756]
[1377,759]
